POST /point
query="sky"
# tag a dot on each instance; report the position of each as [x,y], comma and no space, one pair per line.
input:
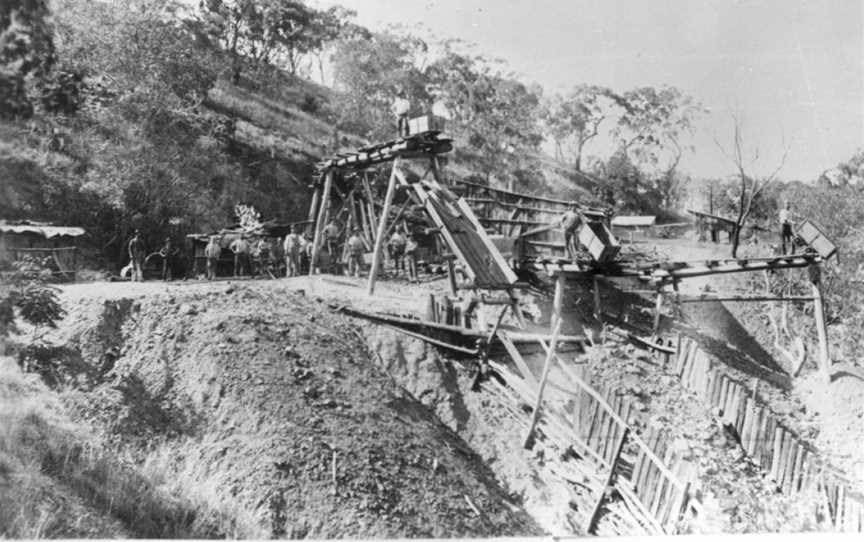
[791,70]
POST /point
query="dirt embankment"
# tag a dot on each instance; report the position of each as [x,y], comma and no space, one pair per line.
[262,404]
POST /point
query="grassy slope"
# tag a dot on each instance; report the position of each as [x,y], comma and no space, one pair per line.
[57,480]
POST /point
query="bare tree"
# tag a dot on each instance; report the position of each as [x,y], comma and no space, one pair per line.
[751,185]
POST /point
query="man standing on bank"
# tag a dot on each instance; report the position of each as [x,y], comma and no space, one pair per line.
[212,252]
[240,248]
[136,257]
[786,228]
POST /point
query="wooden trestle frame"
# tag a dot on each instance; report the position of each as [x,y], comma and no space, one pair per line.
[673,274]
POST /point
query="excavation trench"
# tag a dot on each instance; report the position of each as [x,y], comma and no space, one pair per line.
[732,492]
[269,415]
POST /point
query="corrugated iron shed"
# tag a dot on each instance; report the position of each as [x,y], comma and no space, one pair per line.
[44,229]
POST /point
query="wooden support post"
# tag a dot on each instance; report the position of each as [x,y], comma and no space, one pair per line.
[382,227]
[313,207]
[451,275]
[319,226]
[677,309]
[529,437]
[658,307]
[517,359]
[557,300]
[514,305]
[595,513]
[819,313]
[598,310]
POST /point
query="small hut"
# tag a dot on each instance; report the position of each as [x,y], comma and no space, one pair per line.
[57,245]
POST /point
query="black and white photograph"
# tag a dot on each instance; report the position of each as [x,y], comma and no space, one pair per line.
[431,269]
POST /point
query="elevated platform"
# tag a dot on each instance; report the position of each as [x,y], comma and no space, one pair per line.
[429,143]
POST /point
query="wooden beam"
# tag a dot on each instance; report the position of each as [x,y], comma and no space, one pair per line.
[527,375]
[436,342]
[319,227]
[382,227]
[529,437]
[658,307]
[595,513]
[484,238]
[741,298]
[451,276]
[819,314]
[598,312]
[558,300]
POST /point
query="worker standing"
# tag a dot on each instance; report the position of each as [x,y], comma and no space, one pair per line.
[397,250]
[167,252]
[411,257]
[570,224]
[292,246]
[355,253]
[277,255]
[262,255]
[306,253]
[240,248]
[786,228]
[212,252]
[136,257]
[331,238]
[401,106]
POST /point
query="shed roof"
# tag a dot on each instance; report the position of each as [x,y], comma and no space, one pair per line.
[44,229]
[633,221]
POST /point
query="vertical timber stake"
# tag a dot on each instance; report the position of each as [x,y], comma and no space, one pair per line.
[451,274]
[597,308]
[382,227]
[658,307]
[535,416]
[558,300]
[319,227]
[819,314]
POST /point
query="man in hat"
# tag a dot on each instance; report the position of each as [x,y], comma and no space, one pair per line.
[167,252]
[570,224]
[785,217]
[212,252]
[332,231]
[292,247]
[401,107]
[136,257]
[240,248]
[411,257]
[396,247]
[355,253]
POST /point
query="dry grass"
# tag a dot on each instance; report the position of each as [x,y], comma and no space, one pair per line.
[58,481]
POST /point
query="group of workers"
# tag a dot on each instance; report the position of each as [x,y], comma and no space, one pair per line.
[401,249]
[262,257]
[138,256]
[295,250]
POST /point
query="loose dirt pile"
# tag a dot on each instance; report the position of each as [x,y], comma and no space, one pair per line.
[262,400]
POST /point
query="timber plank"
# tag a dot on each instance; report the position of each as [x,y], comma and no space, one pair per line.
[747,424]
[768,443]
[785,445]
[775,455]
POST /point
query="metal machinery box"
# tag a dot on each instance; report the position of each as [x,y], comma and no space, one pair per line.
[811,235]
[426,123]
[599,241]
